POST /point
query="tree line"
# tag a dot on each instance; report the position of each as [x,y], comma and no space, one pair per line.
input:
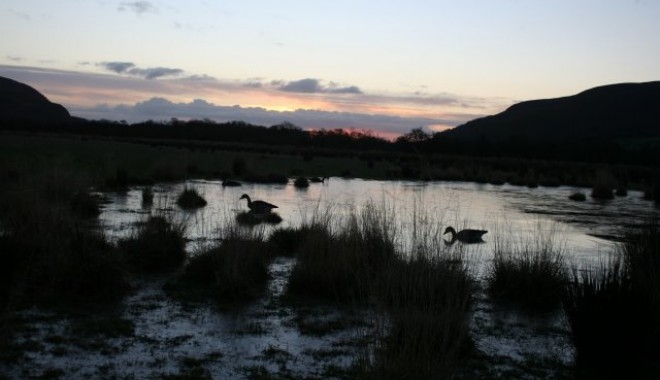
[417,141]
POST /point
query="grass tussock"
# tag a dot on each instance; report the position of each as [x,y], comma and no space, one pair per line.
[301,183]
[287,241]
[614,310]
[234,271]
[190,199]
[344,266]
[530,274]
[427,299]
[157,244]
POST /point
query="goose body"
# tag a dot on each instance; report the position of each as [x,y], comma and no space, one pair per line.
[259,207]
[465,236]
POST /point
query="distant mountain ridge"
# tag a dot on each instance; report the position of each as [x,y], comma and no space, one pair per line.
[20,102]
[626,110]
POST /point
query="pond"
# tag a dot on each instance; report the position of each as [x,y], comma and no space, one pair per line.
[587,230]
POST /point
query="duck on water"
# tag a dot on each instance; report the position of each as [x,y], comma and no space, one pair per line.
[257,206]
[467,236]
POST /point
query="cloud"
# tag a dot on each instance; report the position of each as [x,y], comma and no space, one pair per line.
[155,72]
[159,108]
[139,7]
[129,68]
[314,86]
[13,58]
[117,67]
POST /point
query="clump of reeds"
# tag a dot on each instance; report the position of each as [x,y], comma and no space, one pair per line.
[190,199]
[287,241]
[301,183]
[234,271]
[580,197]
[344,266]
[614,310]
[530,274]
[157,244]
[427,299]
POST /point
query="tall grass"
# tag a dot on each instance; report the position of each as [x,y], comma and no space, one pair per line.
[529,273]
[344,265]
[427,299]
[50,253]
[157,244]
[234,271]
[614,310]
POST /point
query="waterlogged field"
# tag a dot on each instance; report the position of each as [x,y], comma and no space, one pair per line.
[153,335]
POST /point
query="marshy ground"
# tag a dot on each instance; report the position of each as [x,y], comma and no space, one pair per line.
[376,293]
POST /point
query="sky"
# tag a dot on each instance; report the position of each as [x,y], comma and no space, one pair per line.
[383,66]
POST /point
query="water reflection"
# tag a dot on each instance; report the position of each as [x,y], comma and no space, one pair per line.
[418,212]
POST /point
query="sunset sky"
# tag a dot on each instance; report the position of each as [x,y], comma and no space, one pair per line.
[387,66]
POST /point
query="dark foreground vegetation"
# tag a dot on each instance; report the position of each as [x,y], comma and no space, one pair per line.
[614,310]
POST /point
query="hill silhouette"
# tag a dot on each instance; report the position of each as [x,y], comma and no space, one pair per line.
[626,110]
[20,102]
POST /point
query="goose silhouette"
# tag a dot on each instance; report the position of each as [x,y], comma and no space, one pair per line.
[467,236]
[259,207]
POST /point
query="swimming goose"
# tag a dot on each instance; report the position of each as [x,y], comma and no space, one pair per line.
[465,236]
[259,207]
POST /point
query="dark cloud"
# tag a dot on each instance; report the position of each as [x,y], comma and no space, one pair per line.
[307,86]
[155,72]
[314,86]
[129,68]
[117,67]
[139,7]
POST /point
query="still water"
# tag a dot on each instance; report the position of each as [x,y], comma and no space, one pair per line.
[512,214]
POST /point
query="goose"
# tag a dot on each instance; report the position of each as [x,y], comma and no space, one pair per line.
[259,207]
[465,236]
[317,179]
